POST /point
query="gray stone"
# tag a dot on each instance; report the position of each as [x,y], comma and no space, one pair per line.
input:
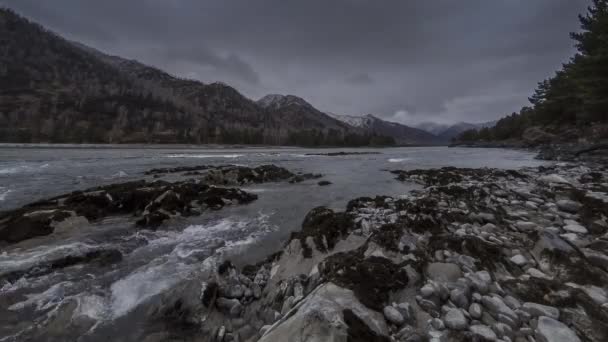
[437,324]
[427,290]
[481,281]
[393,315]
[287,305]
[537,310]
[568,206]
[502,330]
[519,260]
[496,306]
[551,330]
[231,306]
[443,272]
[459,298]
[406,311]
[475,311]
[512,302]
[525,226]
[483,332]
[575,228]
[257,291]
[454,319]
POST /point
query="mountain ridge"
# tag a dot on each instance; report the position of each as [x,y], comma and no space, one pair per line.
[62,91]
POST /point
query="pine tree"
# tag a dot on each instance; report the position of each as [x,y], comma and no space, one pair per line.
[590,66]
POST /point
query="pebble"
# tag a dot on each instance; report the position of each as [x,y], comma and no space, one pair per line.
[568,206]
[484,332]
[551,330]
[475,311]
[393,315]
[519,260]
[454,319]
[536,310]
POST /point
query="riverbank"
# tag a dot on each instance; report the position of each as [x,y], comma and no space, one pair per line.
[479,254]
[475,253]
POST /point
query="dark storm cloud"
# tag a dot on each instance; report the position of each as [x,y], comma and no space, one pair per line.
[410,61]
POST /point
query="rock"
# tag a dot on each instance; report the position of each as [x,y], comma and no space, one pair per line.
[406,311]
[454,319]
[519,260]
[443,272]
[553,178]
[551,330]
[568,206]
[481,281]
[437,324]
[459,298]
[475,310]
[393,315]
[496,306]
[230,306]
[483,332]
[287,305]
[427,290]
[525,226]
[328,314]
[536,310]
[512,302]
[575,228]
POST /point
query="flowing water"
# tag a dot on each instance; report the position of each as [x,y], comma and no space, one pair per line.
[105,302]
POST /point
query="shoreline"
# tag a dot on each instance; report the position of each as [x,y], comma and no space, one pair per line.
[476,254]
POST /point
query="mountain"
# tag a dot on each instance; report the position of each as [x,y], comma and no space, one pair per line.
[403,135]
[446,133]
[59,91]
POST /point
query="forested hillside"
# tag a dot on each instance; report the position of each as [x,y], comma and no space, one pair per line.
[54,90]
[571,106]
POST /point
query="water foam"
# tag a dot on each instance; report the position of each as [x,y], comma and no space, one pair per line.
[398,160]
[4,193]
[129,292]
[204,155]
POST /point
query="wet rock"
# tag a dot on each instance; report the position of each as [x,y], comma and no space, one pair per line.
[393,315]
[230,306]
[325,226]
[455,319]
[553,178]
[536,310]
[475,311]
[551,330]
[371,279]
[480,281]
[568,206]
[19,225]
[482,332]
[518,260]
[575,228]
[443,272]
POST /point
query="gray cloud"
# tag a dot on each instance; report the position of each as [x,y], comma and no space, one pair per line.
[411,61]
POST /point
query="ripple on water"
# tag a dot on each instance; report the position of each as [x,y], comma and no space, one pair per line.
[203,155]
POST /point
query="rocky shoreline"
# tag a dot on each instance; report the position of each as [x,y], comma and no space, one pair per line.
[476,255]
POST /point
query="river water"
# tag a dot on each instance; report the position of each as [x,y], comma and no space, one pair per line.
[108,299]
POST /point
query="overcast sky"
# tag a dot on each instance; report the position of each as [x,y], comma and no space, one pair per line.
[408,61]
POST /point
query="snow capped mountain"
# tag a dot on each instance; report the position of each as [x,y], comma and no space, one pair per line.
[402,134]
[276,101]
[355,121]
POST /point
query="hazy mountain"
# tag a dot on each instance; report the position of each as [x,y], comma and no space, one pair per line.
[403,135]
[447,132]
[55,90]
